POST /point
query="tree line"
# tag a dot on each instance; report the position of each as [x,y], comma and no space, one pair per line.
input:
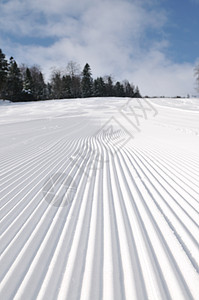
[23,83]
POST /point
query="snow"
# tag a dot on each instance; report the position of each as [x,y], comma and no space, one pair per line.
[99,199]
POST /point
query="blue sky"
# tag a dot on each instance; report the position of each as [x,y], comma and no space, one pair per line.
[152,43]
[182,29]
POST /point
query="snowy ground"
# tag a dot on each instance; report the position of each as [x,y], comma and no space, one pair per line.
[99,199]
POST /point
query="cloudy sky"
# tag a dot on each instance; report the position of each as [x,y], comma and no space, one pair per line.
[152,43]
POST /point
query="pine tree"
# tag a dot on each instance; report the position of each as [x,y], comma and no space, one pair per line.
[128,89]
[38,84]
[137,93]
[67,82]
[28,84]
[40,87]
[109,87]
[99,88]
[3,72]
[87,82]
[76,86]
[14,85]
[119,90]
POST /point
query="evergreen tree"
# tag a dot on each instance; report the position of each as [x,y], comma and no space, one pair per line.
[34,87]
[128,89]
[38,83]
[67,82]
[41,87]
[76,86]
[28,85]
[87,82]
[14,85]
[99,87]
[109,87]
[137,93]
[119,90]
[3,72]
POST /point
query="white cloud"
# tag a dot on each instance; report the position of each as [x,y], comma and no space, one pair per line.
[158,76]
[108,34]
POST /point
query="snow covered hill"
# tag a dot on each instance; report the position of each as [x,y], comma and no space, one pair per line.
[99,199]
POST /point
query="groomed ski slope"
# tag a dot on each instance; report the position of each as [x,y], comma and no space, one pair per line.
[99,199]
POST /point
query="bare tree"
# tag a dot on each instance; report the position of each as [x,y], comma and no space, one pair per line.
[73,69]
[57,84]
[23,67]
[74,72]
[196,73]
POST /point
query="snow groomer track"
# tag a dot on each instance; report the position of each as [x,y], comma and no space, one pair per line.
[98,201]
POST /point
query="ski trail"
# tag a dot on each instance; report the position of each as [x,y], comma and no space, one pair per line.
[84,216]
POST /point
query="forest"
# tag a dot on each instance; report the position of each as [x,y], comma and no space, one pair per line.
[24,83]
